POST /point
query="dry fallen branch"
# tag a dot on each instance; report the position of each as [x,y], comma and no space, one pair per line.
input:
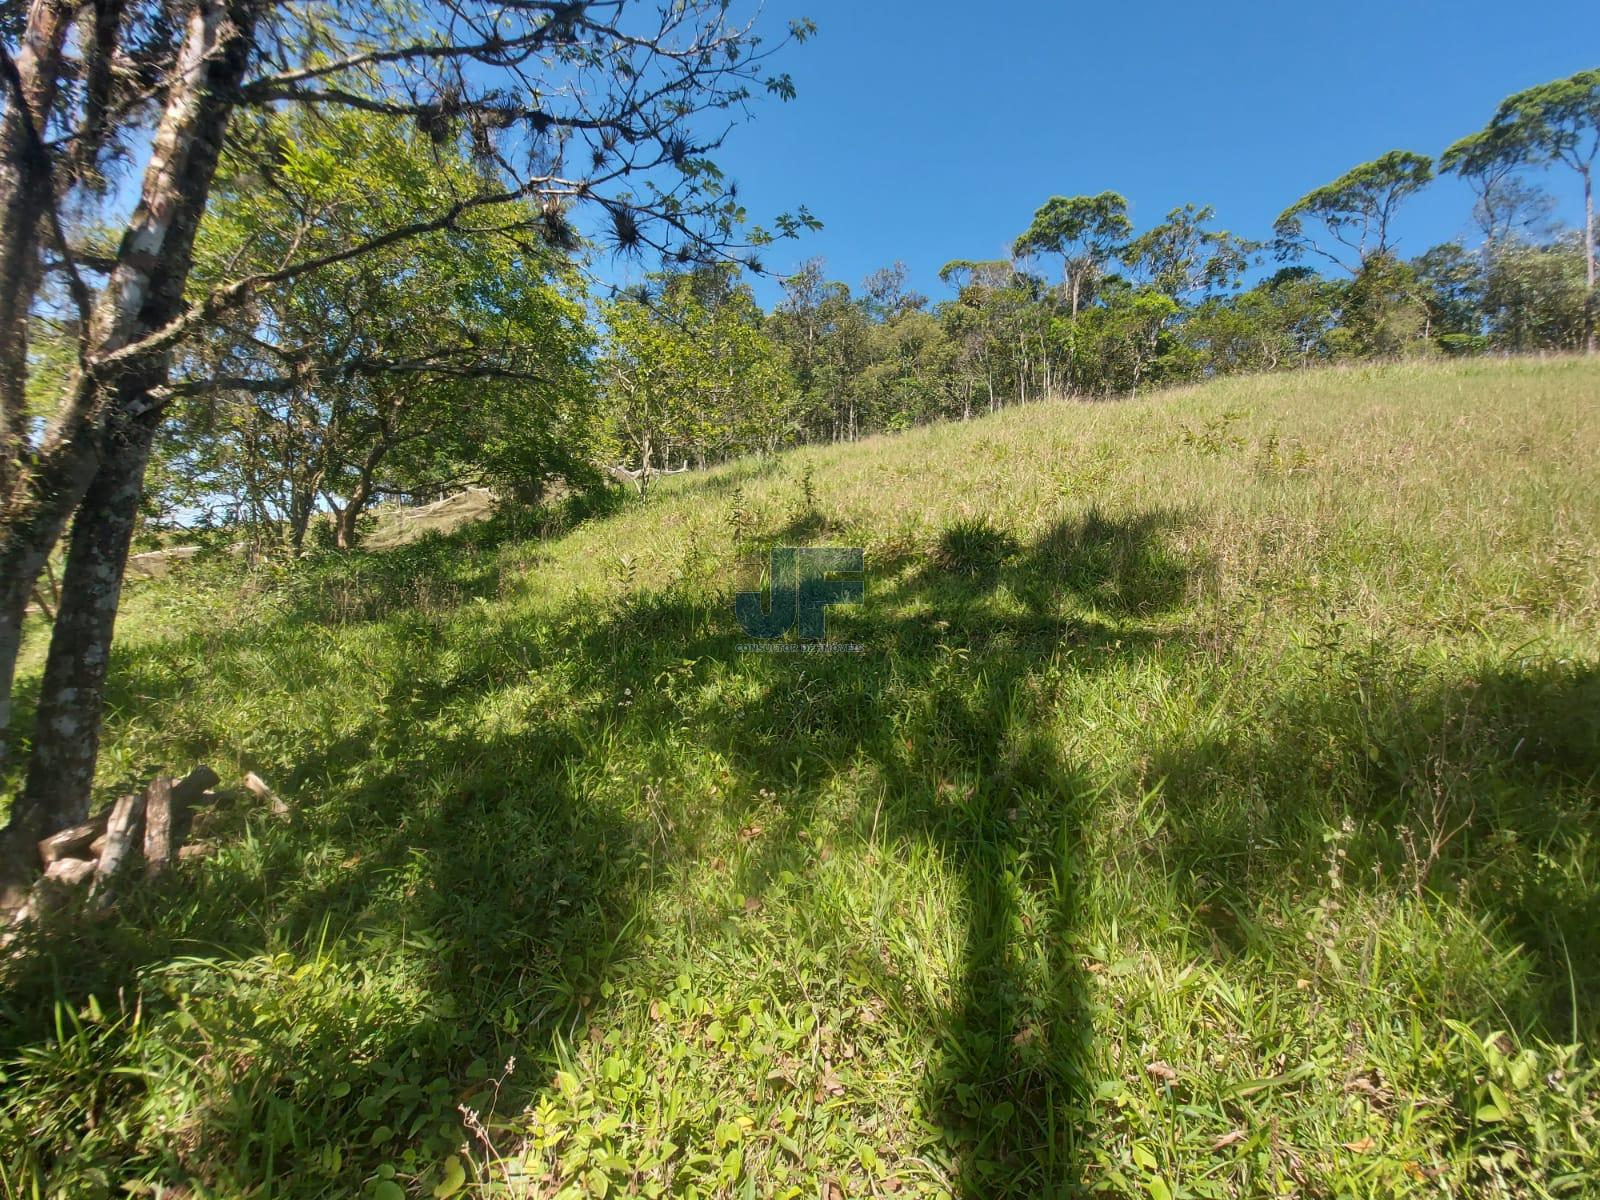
[99,849]
[125,817]
[70,871]
[158,824]
[73,842]
[194,785]
[259,788]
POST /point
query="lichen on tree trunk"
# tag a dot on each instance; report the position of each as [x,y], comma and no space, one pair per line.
[66,736]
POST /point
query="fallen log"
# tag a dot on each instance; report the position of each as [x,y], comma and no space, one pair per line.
[70,843]
[158,824]
[70,871]
[120,829]
[193,786]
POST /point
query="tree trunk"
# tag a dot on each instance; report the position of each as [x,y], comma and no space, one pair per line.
[25,197]
[66,735]
[1588,259]
[301,506]
[345,526]
[143,294]
[346,529]
[25,546]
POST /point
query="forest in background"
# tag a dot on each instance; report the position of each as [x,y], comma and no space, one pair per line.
[516,368]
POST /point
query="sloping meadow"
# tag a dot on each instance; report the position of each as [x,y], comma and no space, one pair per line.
[1201,802]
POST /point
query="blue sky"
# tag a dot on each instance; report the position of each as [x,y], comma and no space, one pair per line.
[927,130]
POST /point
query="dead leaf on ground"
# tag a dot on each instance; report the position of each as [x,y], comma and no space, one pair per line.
[1369,1083]
[1160,1070]
[830,1085]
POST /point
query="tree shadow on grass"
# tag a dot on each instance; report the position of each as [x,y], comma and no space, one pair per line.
[945,710]
[467,890]
[452,908]
[1479,790]
[522,875]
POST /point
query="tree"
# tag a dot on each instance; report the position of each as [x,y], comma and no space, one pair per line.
[886,294]
[1559,122]
[1385,311]
[1283,322]
[598,105]
[1084,231]
[976,321]
[691,375]
[1354,210]
[392,373]
[1181,257]
[825,333]
[1488,161]
[1126,336]
[910,377]
[1451,281]
[1534,297]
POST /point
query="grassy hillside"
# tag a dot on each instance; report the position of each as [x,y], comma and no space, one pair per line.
[1212,811]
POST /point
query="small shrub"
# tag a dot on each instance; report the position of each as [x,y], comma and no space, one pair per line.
[975,548]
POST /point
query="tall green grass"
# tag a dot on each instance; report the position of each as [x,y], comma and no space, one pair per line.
[1212,812]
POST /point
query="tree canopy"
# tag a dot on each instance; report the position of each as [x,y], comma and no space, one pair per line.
[1355,211]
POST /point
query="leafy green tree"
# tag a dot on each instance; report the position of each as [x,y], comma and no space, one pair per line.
[1354,211]
[1385,312]
[458,357]
[691,375]
[1123,339]
[981,322]
[1084,232]
[1535,296]
[1489,161]
[615,107]
[886,293]
[910,379]
[826,333]
[1181,257]
[1451,279]
[1559,122]
[1282,323]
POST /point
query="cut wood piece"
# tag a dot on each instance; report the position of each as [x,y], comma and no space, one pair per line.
[70,871]
[194,785]
[120,828]
[69,843]
[158,824]
[261,788]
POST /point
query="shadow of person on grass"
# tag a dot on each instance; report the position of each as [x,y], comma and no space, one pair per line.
[495,875]
[495,867]
[945,710]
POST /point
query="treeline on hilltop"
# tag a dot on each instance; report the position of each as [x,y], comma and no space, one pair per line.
[486,355]
[1088,305]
